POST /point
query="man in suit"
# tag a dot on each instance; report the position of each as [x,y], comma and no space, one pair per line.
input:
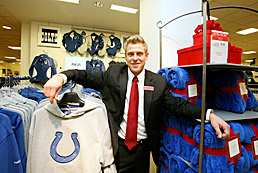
[115,86]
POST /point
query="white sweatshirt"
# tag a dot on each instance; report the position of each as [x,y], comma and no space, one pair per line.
[89,151]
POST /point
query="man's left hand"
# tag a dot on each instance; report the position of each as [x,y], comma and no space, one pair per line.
[220,126]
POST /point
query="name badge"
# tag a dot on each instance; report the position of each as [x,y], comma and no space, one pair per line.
[148,88]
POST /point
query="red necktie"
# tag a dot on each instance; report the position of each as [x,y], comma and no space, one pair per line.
[132,116]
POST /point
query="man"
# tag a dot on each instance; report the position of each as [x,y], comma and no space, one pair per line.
[115,86]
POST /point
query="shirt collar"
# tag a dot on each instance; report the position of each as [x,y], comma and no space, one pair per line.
[139,76]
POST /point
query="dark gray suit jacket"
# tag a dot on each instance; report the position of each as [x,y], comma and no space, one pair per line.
[113,84]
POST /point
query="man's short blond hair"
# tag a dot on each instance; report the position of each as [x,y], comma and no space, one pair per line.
[134,40]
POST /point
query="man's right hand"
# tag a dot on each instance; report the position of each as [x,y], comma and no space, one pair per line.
[53,87]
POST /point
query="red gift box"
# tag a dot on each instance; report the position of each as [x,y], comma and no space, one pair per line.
[198,38]
[194,55]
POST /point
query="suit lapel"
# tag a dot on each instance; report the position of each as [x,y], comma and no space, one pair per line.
[123,84]
[147,94]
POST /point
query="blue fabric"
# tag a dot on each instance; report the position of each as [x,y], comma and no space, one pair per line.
[172,141]
[17,127]
[189,170]
[97,44]
[186,126]
[27,93]
[229,101]
[176,164]
[41,64]
[249,134]
[71,41]
[95,65]
[164,159]
[177,77]
[10,161]
[237,128]
[115,44]
[91,91]
[210,138]
[162,72]
[178,95]
[251,100]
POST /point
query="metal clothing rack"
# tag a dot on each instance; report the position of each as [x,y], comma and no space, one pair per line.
[205,10]
[10,80]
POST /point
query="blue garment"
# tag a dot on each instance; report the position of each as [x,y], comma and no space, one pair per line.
[10,160]
[97,43]
[42,64]
[71,41]
[32,94]
[17,127]
[95,65]
[115,44]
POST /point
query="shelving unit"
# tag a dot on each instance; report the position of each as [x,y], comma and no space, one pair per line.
[226,115]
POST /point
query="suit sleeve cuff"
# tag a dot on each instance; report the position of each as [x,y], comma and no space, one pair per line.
[63,76]
[209,111]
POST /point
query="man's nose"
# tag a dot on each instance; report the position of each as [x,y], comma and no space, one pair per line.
[135,57]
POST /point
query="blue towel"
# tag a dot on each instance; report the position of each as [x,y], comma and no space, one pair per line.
[176,164]
[238,128]
[249,133]
[251,100]
[164,160]
[162,72]
[177,77]
[210,138]
[186,126]
[171,140]
[194,159]
[243,163]
[189,170]
[178,95]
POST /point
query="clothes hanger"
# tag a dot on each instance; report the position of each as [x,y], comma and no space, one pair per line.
[71,98]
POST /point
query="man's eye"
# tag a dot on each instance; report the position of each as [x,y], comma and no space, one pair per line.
[139,54]
[130,54]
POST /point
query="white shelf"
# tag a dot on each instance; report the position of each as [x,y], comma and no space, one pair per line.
[231,116]
[223,66]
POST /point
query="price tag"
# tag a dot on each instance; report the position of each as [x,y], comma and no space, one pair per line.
[219,47]
[255,147]
[192,90]
[233,147]
[242,88]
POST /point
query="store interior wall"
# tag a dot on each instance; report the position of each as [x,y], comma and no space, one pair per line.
[32,49]
[176,35]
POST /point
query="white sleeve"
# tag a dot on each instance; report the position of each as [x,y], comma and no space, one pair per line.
[63,76]
[209,111]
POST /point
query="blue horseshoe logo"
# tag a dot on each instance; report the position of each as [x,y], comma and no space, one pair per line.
[64,159]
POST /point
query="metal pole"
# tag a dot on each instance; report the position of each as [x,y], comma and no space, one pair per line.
[204,9]
[160,48]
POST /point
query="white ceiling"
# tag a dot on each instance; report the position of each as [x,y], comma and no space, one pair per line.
[12,12]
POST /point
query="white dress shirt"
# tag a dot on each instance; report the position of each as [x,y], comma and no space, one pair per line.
[141,131]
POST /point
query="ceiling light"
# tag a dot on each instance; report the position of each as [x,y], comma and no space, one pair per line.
[123,9]
[249,52]
[247,31]
[6,27]
[249,60]
[15,48]
[10,57]
[18,59]
[98,4]
[71,1]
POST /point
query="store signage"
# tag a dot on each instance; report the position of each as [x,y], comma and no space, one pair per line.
[233,147]
[49,36]
[75,63]
[255,147]
[219,47]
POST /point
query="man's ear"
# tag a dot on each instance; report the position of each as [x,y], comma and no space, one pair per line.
[147,56]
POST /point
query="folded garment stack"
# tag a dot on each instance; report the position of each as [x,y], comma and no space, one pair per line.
[215,151]
[229,97]
[176,164]
[172,135]
[250,130]
[186,127]
[164,161]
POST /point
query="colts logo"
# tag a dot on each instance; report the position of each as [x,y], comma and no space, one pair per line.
[64,159]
